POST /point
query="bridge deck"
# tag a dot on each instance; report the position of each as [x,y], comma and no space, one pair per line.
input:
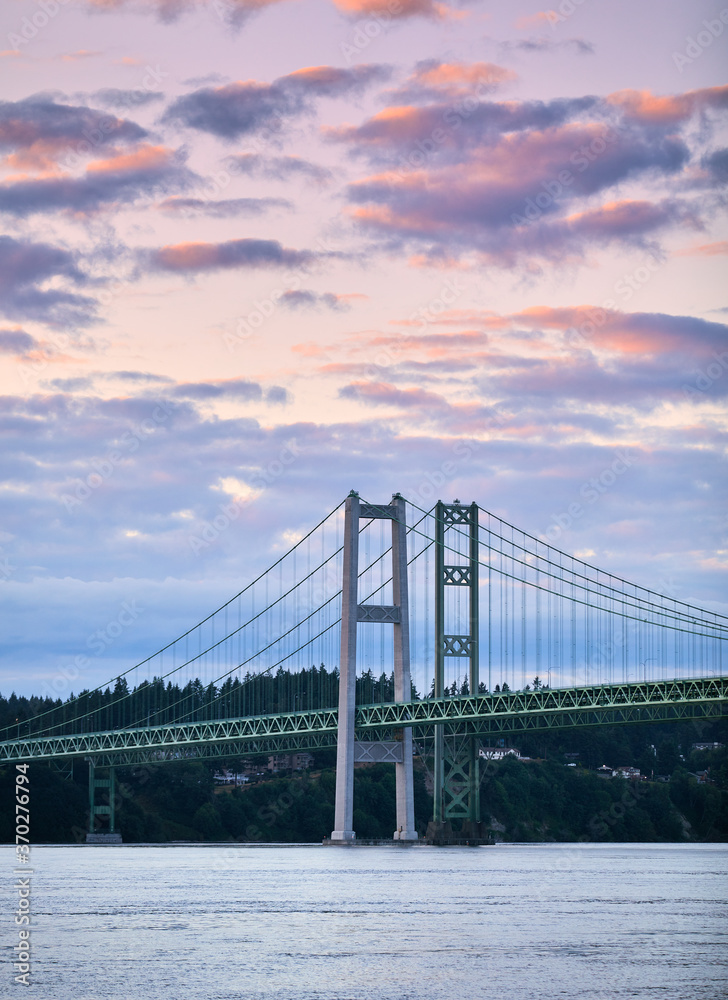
[484,715]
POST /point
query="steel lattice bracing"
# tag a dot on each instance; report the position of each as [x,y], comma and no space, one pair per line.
[646,701]
[457,762]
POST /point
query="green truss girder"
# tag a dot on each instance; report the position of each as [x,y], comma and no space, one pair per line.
[481,715]
[599,700]
[274,731]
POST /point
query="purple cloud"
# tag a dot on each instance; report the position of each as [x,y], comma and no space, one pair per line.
[17,342]
[190,258]
[304,298]
[223,208]
[237,109]
[38,131]
[120,180]
[279,168]
[25,267]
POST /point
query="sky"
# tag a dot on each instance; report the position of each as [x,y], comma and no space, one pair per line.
[257,253]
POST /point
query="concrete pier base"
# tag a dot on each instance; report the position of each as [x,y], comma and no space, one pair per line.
[471,835]
[103,838]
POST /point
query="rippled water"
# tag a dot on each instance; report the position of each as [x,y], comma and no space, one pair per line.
[312,923]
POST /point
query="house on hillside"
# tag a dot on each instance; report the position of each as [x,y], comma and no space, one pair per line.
[631,773]
[498,753]
[290,761]
[227,777]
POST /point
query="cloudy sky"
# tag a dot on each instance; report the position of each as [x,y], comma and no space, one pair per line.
[256,253]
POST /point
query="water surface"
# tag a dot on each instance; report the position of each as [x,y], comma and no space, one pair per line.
[512,922]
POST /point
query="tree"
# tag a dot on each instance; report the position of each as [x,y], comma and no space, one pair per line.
[207,821]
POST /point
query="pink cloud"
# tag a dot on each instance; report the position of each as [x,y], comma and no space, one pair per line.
[146,157]
[382,394]
[649,109]
[433,80]
[169,10]
[251,253]
[536,20]
[633,217]
[80,54]
[447,75]
[717,249]
[498,198]
[37,132]
[628,333]
[397,9]
[499,344]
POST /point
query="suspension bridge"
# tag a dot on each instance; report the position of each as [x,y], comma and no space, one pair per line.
[389,630]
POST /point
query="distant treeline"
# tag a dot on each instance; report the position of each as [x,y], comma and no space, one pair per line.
[154,703]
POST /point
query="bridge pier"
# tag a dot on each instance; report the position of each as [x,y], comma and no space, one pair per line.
[351,614]
[95,836]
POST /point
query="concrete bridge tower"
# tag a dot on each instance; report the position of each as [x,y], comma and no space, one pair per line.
[348,750]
